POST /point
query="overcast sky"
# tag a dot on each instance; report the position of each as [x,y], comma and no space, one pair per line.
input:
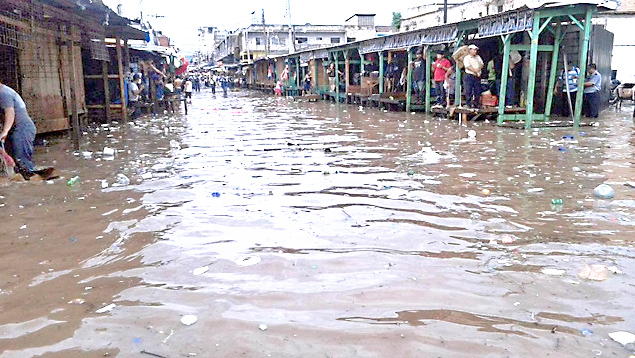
[182,18]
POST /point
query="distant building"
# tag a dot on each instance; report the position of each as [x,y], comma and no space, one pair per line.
[431,14]
[258,41]
[618,22]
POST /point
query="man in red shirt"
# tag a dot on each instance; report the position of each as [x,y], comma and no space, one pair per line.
[440,67]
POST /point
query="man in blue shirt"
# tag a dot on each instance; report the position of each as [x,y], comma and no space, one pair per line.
[18,128]
[592,87]
[573,72]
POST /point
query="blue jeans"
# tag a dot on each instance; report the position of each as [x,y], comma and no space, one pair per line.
[440,92]
[472,90]
[20,146]
[591,104]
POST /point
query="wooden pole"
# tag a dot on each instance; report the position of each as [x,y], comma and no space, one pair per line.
[553,73]
[122,85]
[104,72]
[126,56]
[74,111]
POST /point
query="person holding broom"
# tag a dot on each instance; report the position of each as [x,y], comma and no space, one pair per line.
[18,128]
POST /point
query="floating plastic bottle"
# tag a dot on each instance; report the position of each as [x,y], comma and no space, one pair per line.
[556,201]
[122,179]
[604,191]
[73,180]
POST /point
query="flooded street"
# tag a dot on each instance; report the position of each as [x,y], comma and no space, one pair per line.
[295,229]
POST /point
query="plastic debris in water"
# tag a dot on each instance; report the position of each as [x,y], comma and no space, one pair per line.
[486,192]
[622,337]
[553,272]
[73,180]
[189,319]
[604,191]
[109,152]
[411,172]
[556,201]
[263,327]
[586,332]
[77,301]
[215,194]
[507,239]
[471,133]
[200,270]
[594,272]
[122,179]
[107,308]
[247,261]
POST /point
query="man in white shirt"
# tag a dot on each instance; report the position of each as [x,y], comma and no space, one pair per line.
[135,88]
[473,64]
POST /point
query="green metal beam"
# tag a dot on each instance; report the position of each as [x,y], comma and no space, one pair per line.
[381,71]
[544,25]
[561,11]
[457,83]
[428,64]
[409,81]
[553,73]
[584,55]
[507,39]
[533,61]
[542,48]
[519,117]
[577,22]
[337,77]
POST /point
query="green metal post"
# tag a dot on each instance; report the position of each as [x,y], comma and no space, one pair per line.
[428,64]
[458,88]
[533,61]
[507,40]
[554,71]
[337,78]
[361,64]
[583,64]
[315,78]
[381,72]
[297,73]
[409,81]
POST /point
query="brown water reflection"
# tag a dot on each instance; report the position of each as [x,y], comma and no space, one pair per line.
[354,214]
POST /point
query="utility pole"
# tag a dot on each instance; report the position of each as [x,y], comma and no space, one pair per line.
[264,33]
[291,44]
[445,11]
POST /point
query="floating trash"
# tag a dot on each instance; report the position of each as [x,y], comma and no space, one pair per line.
[622,337]
[72,181]
[586,332]
[594,272]
[215,194]
[604,191]
[263,327]
[200,270]
[189,319]
[486,192]
[247,261]
[553,272]
[107,308]
[122,179]
[109,152]
[471,133]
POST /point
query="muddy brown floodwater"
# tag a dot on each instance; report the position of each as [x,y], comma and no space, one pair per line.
[294,229]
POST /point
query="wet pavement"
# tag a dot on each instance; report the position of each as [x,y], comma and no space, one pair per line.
[320,230]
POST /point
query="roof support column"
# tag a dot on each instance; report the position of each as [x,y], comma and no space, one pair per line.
[584,55]
[381,71]
[533,60]
[428,63]
[409,70]
[507,39]
[337,77]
